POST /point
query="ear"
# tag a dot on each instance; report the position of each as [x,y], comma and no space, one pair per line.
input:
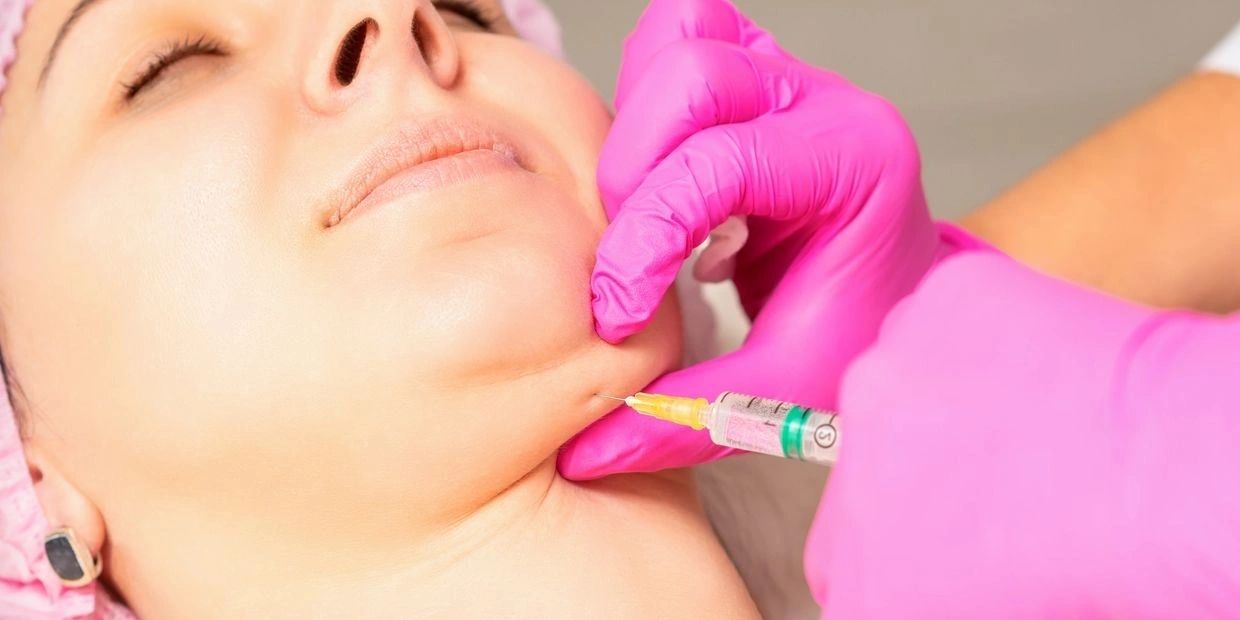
[63,504]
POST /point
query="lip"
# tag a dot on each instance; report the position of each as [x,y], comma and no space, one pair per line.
[423,155]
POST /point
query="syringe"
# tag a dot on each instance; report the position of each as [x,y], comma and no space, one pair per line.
[750,423]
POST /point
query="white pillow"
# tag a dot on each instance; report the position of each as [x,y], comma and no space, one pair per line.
[1226,56]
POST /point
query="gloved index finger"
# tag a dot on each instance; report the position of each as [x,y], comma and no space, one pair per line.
[665,22]
[760,168]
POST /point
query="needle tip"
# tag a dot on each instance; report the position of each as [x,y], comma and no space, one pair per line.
[615,398]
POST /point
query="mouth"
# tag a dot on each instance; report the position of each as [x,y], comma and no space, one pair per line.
[423,156]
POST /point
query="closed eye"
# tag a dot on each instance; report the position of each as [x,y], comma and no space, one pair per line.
[473,13]
[165,59]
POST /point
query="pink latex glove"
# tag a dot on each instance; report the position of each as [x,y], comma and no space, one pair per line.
[1018,447]
[714,119]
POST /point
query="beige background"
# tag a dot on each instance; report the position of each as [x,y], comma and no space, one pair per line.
[993,88]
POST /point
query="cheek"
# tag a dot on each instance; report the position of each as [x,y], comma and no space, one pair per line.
[550,98]
[483,285]
[152,286]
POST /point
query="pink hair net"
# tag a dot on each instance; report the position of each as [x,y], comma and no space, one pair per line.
[29,589]
[12,16]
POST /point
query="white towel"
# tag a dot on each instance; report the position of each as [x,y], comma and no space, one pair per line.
[1226,56]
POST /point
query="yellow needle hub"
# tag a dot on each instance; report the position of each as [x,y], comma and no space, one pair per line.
[689,412]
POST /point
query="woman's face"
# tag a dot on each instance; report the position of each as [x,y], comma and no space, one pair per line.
[192,320]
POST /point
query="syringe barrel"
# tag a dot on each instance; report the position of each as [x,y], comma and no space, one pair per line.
[774,427]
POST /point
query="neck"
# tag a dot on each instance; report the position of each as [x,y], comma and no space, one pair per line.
[636,546]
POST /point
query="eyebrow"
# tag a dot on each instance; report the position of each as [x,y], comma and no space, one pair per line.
[65,28]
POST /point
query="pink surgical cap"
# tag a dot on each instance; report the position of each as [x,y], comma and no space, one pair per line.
[12,17]
[29,589]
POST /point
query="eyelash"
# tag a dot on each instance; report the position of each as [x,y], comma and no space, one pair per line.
[482,15]
[170,55]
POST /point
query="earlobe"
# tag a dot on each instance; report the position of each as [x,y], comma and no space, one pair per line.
[76,531]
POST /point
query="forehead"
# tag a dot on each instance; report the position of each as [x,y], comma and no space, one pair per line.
[41,23]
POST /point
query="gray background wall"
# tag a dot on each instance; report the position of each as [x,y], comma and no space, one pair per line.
[993,88]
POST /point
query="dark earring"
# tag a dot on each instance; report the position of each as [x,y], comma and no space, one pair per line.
[71,558]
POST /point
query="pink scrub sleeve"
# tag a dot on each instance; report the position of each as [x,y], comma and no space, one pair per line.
[1021,447]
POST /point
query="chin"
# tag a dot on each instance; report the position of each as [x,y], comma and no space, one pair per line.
[650,353]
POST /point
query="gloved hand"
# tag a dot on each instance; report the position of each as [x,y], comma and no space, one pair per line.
[714,120]
[1018,447]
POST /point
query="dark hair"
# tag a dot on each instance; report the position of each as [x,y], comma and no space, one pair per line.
[13,392]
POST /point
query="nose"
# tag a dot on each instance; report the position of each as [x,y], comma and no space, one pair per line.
[368,45]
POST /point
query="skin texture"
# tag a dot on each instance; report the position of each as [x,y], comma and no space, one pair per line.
[1145,209]
[225,395]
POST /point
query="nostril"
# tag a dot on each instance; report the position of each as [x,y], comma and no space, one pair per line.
[436,45]
[349,58]
[422,36]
